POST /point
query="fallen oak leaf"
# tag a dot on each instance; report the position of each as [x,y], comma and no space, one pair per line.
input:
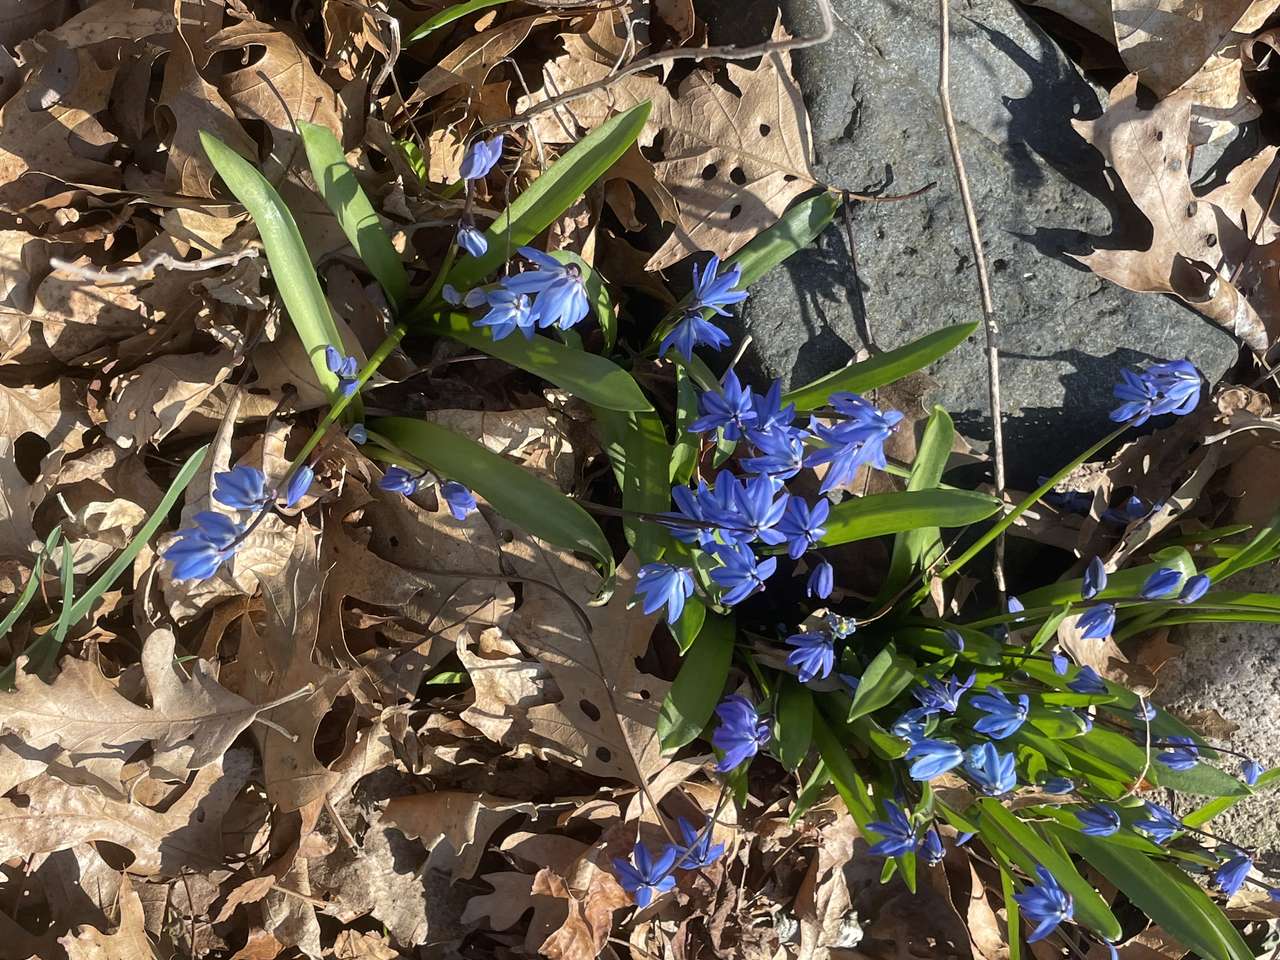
[590,913]
[465,820]
[128,941]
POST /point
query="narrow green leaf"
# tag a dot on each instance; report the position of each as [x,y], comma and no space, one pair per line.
[810,793]
[795,722]
[686,629]
[1262,547]
[684,455]
[916,547]
[696,690]
[882,369]
[862,518]
[1013,914]
[852,790]
[797,228]
[33,581]
[343,194]
[1024,846]
[291,267]
[888,674]
[1056,723]
[512,490]
[1219,805]
[1204,778]
[636,444]
[1163,893]
[447,16]
[1122,583]
[544,200]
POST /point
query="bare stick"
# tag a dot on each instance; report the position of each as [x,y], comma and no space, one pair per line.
[148,267]
[980,261]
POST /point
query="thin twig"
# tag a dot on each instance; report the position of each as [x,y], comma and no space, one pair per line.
[146,268]
[980,261]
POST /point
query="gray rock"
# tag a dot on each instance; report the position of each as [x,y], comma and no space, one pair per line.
[1038,188]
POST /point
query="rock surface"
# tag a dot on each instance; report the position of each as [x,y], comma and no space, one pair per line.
[1038,189]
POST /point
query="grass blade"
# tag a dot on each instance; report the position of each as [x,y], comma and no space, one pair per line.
[864,517]
[33,582]
[448,16]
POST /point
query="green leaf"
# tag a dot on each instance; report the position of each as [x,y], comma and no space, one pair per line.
[295,277]
[1163,893]
[512,490]
[1056,723]
[1261,548]
[862,518]
[544,200]
[343,194]
[810,793]
[1202,815]
[1024,846]
[600,382]
[696,690]
[686,629]
[684,455]
[447,16]
[794,722]
[636,444]
[1012,914]
[1123,583]
[915,548]
[33,581]
[1118,750]
[882,369]
[888,674]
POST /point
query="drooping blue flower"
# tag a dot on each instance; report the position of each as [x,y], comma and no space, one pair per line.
[1160,824]
[1087,681]
[664,584]
[1098,820]
[1250,771]
[716,292]
[241,488]
[955,639]
[899,836]
[741,573]
[1061,663]
[932,758]
[696,845]
[1182,755]
[1058,786]
[1195,588]
[1045,904]
[346,369]
[399,480]
[460,500]
[741,733]
[720,509]
[1145,711]
[813,657]
[358,434]
[778,453]
[1095,579]
[644,877]
[693,330]
[198,552]
[1160,584]
[964,838]
[1230,877]
[729,409]
[762,501]
[852,442]
[1003,717]
[480,158]
[994,773]
[472,240]
[1138,396]
[1097,622]
[508,312]
[801,525]
[559,296]
[933,847]
[299,484]
[822,580]
[1161,388]
[942,696]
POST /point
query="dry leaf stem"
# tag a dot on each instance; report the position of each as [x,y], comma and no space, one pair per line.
[980,262]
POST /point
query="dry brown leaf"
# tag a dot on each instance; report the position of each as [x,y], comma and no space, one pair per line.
[590,911]
[20,19]
[512,896]
[129,941]
[149,403]
[465,820]
[352,945]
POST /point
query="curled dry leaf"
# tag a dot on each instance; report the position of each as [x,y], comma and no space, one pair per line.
[128,941]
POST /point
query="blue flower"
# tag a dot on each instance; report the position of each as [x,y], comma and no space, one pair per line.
[741,733]
[1087,681]
[779,453]
[899,836]
[933,847]
[1129,511]
[1003,717]
[689,523]
[1195,588]
[716,293]
[1274,894]
[472,240]
[741,574]
[241,488]
[910,726]
[842,628]
[1061,663]
[853,442]
[994,773]
[559,297]
[399,480]
[771,416]
[346,369]
[1045,904]
[933,758]
[1183,755]
[813,657]
[1161,825]
[1095,579]
[690,331]
[460,500]
[801,525]
[761,504]
[648,877]
[1160,584]
[1144,712]
[664,584]
[942,696]
[1251,770]
[358,434]
[1098,820]
[1161,388]
[1097,622]
[1231,875]
[698,851]
[729,409]
[508,312]
[299,484]
[1058,786]
[480,158]
[822,580]
[1085,718]
[198,552]
[955,639]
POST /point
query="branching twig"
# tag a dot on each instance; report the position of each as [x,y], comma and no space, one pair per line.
[980,261]
[146,268]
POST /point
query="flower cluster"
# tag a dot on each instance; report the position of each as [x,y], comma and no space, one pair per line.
[552,295]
